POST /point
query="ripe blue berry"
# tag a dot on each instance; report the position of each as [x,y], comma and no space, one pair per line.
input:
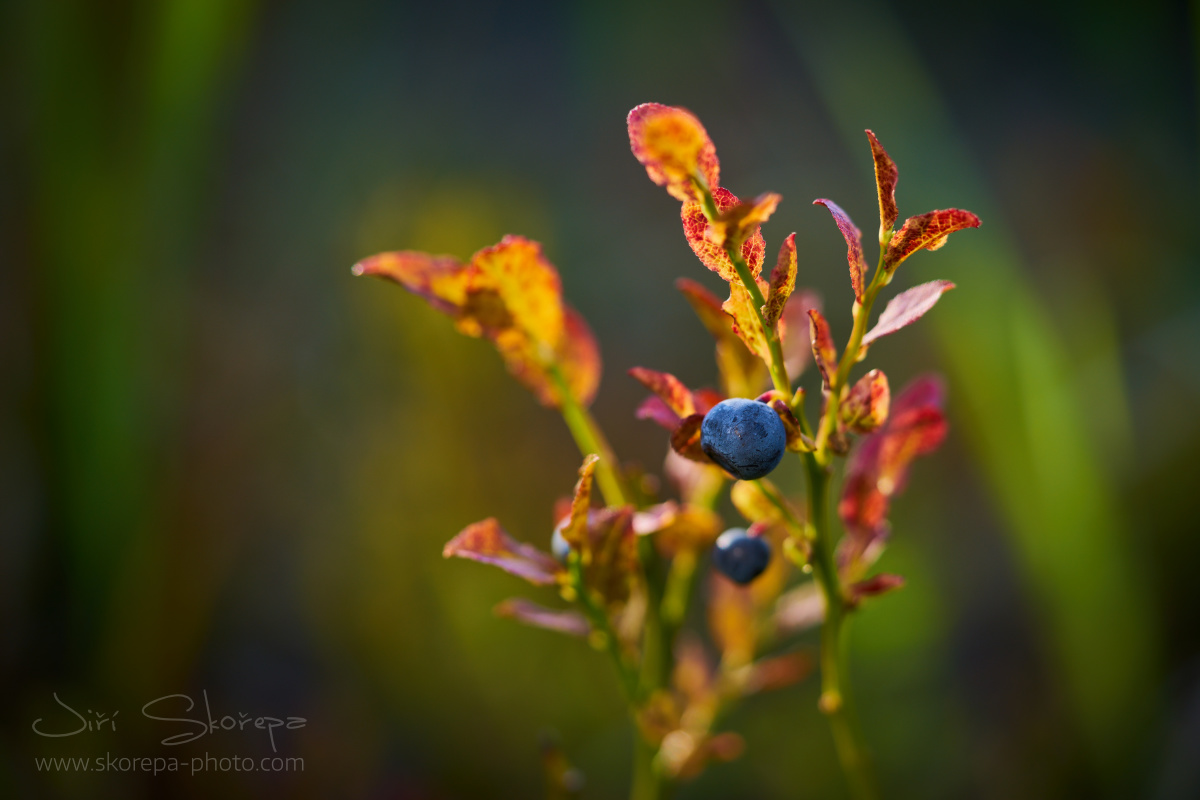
[559,547]
[741,557]
[745,437]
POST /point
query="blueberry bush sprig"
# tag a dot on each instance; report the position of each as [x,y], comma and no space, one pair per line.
[627,569]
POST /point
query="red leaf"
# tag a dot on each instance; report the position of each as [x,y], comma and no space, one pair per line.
[489,543]
[886,178]
[824,352]
[878,470]
[653,408]
[854,250]
[571,623]
[672,391]
[906,308]
[927,231]
[783,280]
[866,407]
[875,586]
[673,146]
[742,372]
[706,242]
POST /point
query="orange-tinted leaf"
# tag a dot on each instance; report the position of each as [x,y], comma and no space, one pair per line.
[886,178]
[441,280]
[489,543]
[672,391]
[512,295]
[742,309]
[686,439]
[824,352]
[752,504]
[740,222]
[866,407]
[526,284]
[673,146]
[706,242]
[794,331]
[927,231]
[854,250]
[571,623]
[574,526]
[783,280]
[906,308]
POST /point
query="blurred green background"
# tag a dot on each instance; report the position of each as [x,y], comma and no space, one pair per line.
[227,465]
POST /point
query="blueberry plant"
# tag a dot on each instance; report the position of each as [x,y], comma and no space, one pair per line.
[627,565]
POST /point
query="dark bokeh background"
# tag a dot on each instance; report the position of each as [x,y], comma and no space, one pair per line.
[227,465]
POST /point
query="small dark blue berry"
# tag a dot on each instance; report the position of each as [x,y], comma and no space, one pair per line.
[559,547]
[741,557]
[745,437]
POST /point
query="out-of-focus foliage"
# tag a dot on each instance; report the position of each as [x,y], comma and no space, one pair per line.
[228,465]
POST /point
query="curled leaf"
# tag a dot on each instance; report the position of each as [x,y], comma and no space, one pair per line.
[674,148]
[569,622]
[783,280]
[927,231]
[706,242]
[824,352]
[886,178]
[866,406]
[854,250]
[489,543]
[906,308]
[574,526]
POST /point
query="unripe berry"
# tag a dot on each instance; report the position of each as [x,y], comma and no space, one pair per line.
[745,437]
[739,556]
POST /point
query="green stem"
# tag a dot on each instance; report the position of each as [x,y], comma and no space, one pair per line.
[862,316]
[590,439]
[836,701]
[648,783]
